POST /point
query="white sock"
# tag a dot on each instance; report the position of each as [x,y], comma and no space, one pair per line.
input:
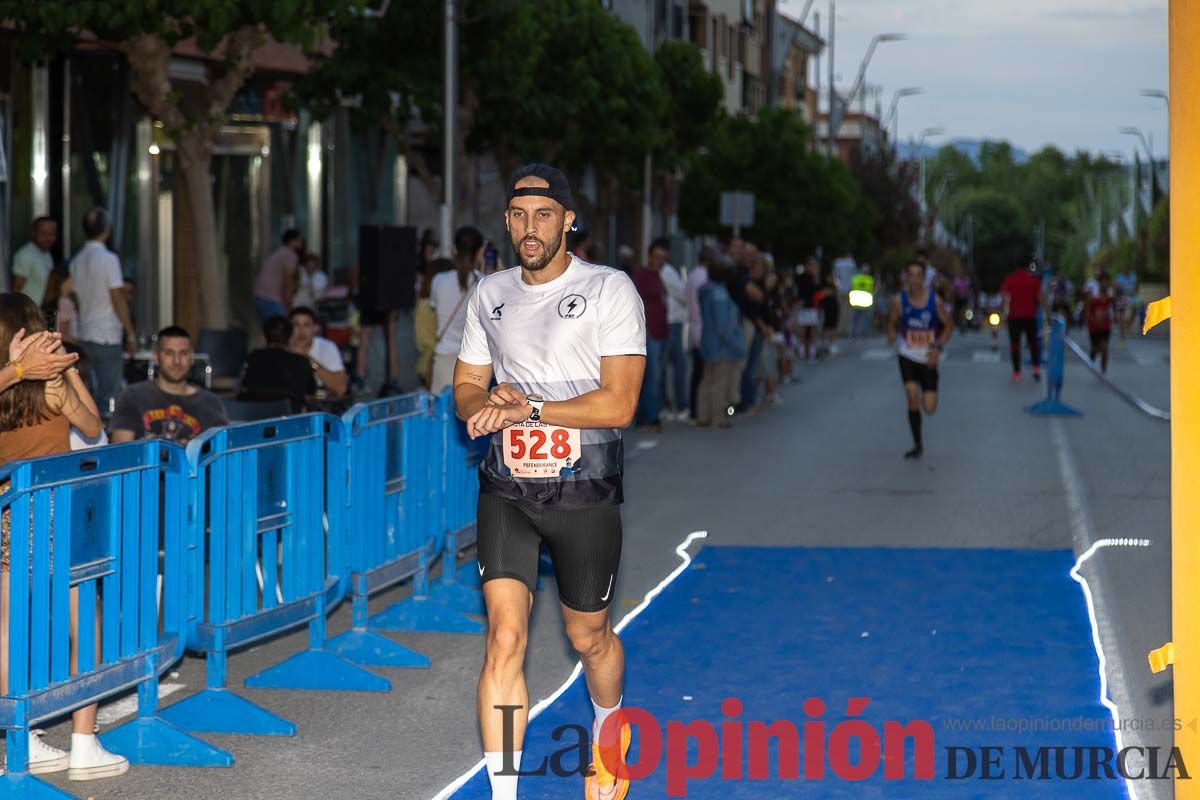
[602,714]
[504,787]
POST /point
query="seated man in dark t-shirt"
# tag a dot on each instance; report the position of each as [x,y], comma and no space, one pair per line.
[167,407]
[275,372]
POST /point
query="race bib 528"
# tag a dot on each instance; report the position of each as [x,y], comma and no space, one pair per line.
[538,450]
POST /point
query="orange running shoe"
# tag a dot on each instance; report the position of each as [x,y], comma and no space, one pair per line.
[601,784]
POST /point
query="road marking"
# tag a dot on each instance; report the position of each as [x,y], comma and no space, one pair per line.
[1144,360]
[1082,533]
[536,711]
[126,706]
[986,357]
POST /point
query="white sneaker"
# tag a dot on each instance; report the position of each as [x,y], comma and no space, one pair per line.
[45,758]
[89,760]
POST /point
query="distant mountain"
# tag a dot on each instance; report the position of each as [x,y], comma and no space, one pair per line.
[968,147]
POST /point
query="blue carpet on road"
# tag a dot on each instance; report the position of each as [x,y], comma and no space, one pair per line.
[934,635]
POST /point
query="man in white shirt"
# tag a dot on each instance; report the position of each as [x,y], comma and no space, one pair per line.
[677,314]
[448,294]
[104,320]
[32,263]
[324,355]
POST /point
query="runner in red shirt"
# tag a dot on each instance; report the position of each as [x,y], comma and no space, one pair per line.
[1099,314]
[1022,291]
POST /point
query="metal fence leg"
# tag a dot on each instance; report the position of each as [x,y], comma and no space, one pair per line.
[451,593]
[218,710]
[363,646]
[149,739]
[318,669]
[420,612]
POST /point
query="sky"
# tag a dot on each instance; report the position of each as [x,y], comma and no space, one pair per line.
[1033,72]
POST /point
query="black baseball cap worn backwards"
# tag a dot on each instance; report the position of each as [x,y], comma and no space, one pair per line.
[557,187]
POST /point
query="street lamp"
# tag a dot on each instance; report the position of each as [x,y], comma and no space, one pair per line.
[1159,93]
[925,134]
[908,91]
[1129,130]
[862,69]
[836,124]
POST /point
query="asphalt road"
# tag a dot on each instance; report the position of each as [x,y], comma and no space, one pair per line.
[823,469]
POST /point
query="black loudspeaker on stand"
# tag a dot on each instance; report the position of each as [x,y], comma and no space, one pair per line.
[387,267]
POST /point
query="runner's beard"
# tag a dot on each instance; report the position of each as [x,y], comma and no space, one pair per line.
[538,263]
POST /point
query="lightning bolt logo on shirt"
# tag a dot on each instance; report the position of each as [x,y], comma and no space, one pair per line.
[572,306]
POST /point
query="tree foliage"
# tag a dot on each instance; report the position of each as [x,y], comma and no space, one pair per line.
[803,201]
[228,31]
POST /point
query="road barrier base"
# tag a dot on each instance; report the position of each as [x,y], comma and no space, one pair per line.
[150,740]
[468,575]
[320,671]
[424,615]
[1052,406]
[372,649]
[23,786]
[457,597]
[222,711]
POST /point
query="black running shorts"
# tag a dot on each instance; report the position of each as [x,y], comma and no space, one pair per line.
[921,374]
[584,544]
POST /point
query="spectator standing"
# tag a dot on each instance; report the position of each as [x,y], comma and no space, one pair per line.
[863,282]
[425,327]
[324,355]
[33,262]
[844,269]
[168,407]
[677,314]
[276,282]
[448,295]
[61,305]
[697,277]
[36,417]
[648,281]
[104,320]
[751,297]
[312,283]
[722,348]
[275,372]
[807,315]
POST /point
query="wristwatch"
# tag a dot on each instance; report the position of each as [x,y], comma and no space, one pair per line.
[535,402]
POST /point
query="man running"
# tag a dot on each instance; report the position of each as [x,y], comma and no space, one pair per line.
[1022,291]
[567,341]
[920,318]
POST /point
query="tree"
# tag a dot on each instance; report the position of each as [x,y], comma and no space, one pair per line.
[557,81]
[803,201]
[694,97]
[1001,233]
[888,189]
[228,31]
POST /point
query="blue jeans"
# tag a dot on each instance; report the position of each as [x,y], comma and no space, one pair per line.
[751,372]
[862,319]
[677,363]
[108,365]
[650,402]
[269,308]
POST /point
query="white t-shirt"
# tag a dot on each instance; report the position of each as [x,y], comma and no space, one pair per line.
[312,289]
[446,299]
[549,340]
[95,271]
[930,276]
[327,354]
[34,266]
[677,309]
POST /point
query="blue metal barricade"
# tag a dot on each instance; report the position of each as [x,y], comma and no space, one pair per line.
[395,530]
[457,588]
[260,565]
[104,528]
[1052,405]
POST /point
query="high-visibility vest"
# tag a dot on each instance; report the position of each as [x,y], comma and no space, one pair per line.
[862,282]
